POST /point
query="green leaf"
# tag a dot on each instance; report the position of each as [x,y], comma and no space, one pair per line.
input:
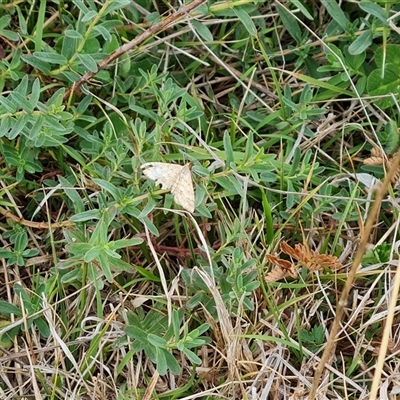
[41,65]
[290,23]
[108,187]
[245,19]
[23,102]
[249,152]
[392,55]
[88,62]
[157,341]
[69,33]
[82,7]
[142,111]
[10,35]
[381,83]
[72,194]
[86,216]
[172,364]
[35,93]
[92,254]
[115,5]
[7,106]
[21,21]
[5,21]
[228,149]
[42,326]
[192,356]
[336,13]
[202,30]
[303,9]
[89,16]
[103,32]
[375,10]
[122,243]
[79,249]
[18,127]
[161,361]
[361,43]
[6,309]
[52,58]
[146,274]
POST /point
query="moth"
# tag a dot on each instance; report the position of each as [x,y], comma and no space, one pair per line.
[173,177]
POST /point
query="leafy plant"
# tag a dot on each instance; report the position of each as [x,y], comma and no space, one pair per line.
[98,251]
[151,334]
[313,338]
[20,252]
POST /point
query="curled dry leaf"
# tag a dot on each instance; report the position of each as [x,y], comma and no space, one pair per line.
[275,275]
[310,258]
[285,268]
[379,158]
[306,257]
[284,264]
[374,161]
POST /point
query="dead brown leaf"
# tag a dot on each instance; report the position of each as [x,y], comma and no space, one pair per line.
[285,268]
[379,158]
[310,258]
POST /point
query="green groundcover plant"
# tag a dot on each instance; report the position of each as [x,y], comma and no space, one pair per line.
[284,119]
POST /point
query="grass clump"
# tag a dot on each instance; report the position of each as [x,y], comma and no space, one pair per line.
[281,283]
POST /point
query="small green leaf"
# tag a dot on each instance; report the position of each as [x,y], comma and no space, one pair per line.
[41,65]
[23,102]
[115,5]
[10,35]
[375,10]
[228,149]
[92,254]
[53,58]
[122,243]
[383,82]
[245,19]
[18,127]
[108,187]
[361,43]
[192,356]
[88,62]
[303,9]
[89,16]
[336,13]
[86,216]
[6,309]
[157,341]
[290,23]
[103,32]
[202,31]
[5,21]
[73,34]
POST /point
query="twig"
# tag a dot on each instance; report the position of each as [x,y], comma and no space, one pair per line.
[34,224]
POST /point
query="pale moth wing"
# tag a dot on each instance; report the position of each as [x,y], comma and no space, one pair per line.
[173,177]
